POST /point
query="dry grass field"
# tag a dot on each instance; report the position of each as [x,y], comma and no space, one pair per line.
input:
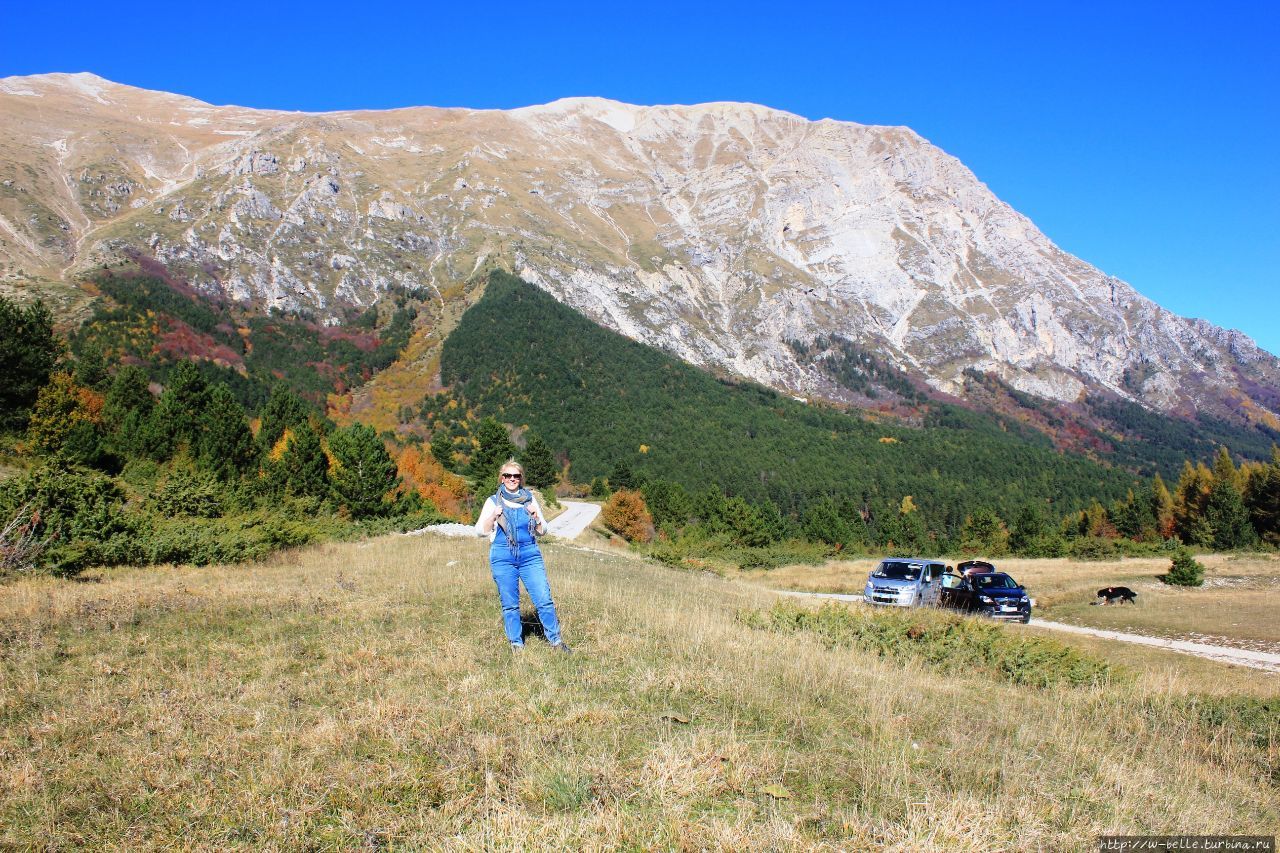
[360,696]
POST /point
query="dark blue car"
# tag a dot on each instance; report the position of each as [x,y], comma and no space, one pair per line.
[993,594]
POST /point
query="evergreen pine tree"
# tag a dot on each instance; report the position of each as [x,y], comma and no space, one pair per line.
[1227,517]
[622,477]
[1184,570]
[442,448]
[1262,497]
[494,449]
[91,370]
[129,392]
[1135,517]
[28,352]
[746,523]
[1029,527]
[668,502]
[179,414]
[540,468]
[226,444]
[284,410]
[821,521]
[984,534]
[364,472]
[303,469]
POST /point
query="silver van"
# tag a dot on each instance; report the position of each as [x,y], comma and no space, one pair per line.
[906,582]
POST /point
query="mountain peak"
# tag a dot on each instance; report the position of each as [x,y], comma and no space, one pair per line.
[732,235]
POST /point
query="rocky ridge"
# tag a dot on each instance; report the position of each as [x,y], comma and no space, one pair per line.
[717,232]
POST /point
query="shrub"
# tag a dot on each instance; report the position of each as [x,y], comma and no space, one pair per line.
[188,493]
[1094,548]
[1185,570]
[625,513]
[81,514]
[1043,545]
[944,641]
[20,547]
[778,554]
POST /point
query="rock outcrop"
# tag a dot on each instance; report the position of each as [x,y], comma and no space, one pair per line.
[720,232]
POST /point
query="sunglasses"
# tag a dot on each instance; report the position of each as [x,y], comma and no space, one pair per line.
[512,476]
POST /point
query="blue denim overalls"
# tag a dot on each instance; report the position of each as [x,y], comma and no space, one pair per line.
[524,563]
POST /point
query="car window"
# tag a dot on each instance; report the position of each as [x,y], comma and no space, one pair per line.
[996,581]
[898,571]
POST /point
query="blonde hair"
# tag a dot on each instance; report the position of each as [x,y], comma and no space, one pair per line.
[511,463]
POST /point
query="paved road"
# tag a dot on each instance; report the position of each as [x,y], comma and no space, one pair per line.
[574,519]
[1244,657]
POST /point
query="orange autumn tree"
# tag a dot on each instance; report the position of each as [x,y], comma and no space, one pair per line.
[626,514]
[421,472]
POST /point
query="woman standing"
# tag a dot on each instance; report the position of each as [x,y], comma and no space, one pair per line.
[512,520]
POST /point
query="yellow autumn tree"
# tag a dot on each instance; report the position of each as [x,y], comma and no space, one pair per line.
[60,408]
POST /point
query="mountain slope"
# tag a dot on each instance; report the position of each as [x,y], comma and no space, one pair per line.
[720,233]
[526,359]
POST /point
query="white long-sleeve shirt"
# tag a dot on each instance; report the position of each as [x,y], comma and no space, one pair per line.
[486,526]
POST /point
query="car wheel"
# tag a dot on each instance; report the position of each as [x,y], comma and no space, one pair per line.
[1026,619]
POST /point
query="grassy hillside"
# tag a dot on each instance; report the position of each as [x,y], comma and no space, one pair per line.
[523,357]
[361,695]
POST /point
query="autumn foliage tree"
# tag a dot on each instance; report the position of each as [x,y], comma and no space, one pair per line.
[625,514]
[65,413]
[423,473]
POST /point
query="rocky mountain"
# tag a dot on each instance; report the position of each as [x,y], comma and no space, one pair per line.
[736,237]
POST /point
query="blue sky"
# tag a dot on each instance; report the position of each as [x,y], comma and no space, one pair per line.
[1143,137]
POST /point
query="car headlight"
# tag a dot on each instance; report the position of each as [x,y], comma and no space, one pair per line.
[986,599]
[1025,600]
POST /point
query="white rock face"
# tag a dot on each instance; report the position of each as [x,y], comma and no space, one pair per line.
[718,232]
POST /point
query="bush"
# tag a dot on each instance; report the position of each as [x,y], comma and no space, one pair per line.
[188,493]
[945,641]
[20,547]
[80,513]
[778,554]
[1184,570]
[625,513]
[1043,545]
[238,539]
[1095,548]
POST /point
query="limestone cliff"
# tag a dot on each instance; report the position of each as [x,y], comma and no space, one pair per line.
[718,232]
